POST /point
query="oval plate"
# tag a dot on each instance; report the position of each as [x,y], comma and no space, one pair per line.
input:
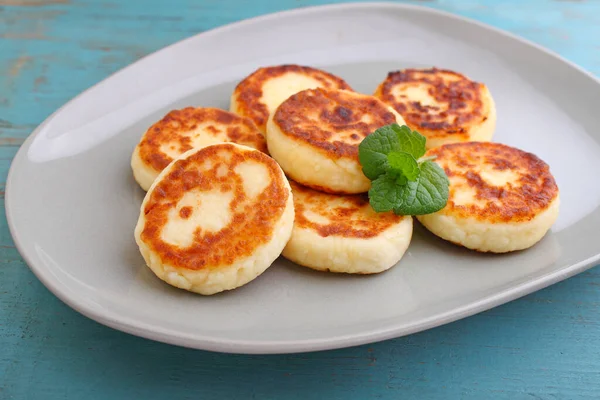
[72,203]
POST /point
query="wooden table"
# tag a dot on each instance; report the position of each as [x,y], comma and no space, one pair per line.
[544,346]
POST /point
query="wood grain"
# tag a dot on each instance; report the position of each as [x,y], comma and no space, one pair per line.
[544,346]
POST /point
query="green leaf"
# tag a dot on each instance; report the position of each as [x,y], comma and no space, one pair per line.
[402,181]
[400,178]
[373,150]
[411,142]
[405,163]
[426,195]
[384,192]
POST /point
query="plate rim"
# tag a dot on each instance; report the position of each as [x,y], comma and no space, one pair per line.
[208,343]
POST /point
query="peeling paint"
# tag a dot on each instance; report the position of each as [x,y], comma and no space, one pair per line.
[27,25]
[24,35]
[11,132]
[17,15]
[18,65]
[39,81]
[31,3]
[11,141]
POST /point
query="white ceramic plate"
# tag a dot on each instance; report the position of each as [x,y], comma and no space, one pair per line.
[72,203]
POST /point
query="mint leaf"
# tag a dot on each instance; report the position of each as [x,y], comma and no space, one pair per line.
[410,141]
[400,178]
[426,195]
[403,181]
[373,150]
[385,192]
[405,163]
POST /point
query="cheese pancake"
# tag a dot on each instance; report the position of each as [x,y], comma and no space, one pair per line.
[444,106]
[258,95]
[314,136]
[185,129]
[501,199]
[215,218]
[343,234]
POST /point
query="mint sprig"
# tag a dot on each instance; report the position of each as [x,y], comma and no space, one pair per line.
[405,163]
[402,181]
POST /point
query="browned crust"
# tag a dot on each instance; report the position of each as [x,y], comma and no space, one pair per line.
[522,200]
[323,189]
[252,223]
[353,219]
[249,91]
[314,116]
[461,102]
[176,125]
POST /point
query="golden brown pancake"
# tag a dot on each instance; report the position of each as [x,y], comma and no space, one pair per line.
[182,130]
[314,136]
[224,209]
[262,91]
[444,106]
[503,184]
[348,216]
[342,233]
[500,199]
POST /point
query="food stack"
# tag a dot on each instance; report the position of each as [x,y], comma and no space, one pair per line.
[305,167]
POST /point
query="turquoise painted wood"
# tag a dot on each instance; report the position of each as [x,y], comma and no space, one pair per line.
[544,346]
